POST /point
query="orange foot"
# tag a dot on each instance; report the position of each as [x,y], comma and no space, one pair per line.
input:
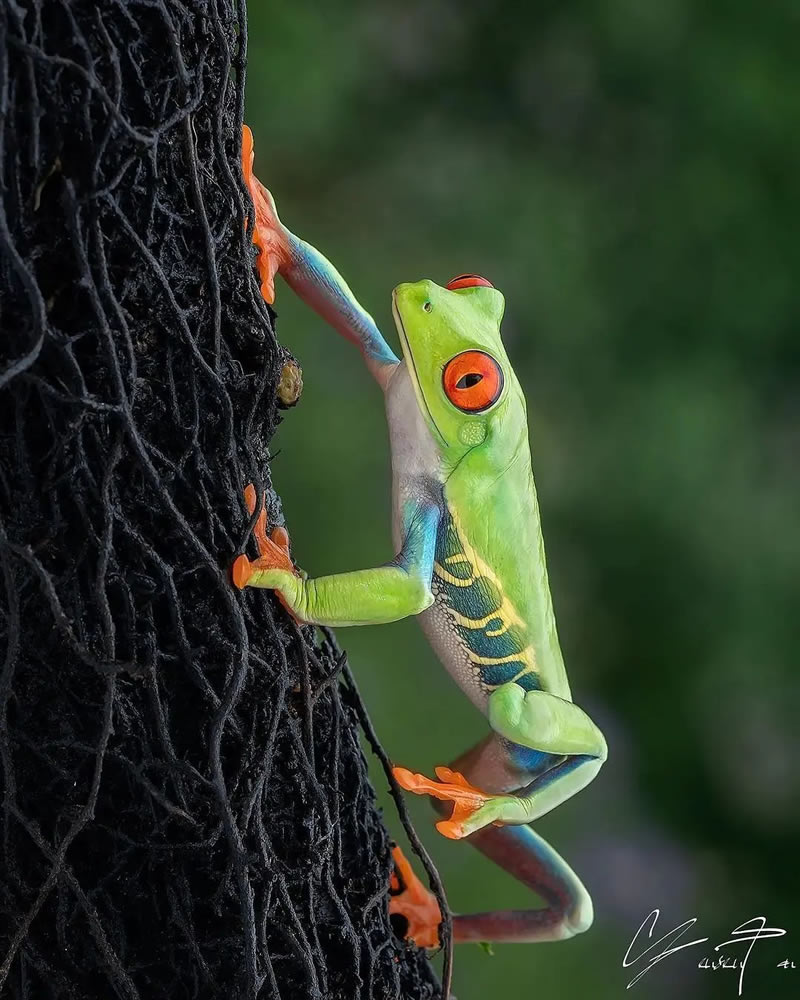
[451,786]
[268,233]
[273,550]
[412,900]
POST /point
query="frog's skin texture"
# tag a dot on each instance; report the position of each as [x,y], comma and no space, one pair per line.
[470,562]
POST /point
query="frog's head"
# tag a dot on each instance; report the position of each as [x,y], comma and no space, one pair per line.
[465,386]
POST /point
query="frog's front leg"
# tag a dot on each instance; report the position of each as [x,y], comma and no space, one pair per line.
[311,275]
[364,597]
[527,720]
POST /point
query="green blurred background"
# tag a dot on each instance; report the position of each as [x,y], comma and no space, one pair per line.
[626,171]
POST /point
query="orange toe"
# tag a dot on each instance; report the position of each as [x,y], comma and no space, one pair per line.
[450,829]
[260,529]
[242,571]
[409,780]
[452,787]
[250,498]
[455,786]
[454,778]
[410,899]
[280,536]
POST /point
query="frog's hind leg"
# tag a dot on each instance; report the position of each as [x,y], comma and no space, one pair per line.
[530,859]
[532,721]
[568,910]
[495,763]
[311,275]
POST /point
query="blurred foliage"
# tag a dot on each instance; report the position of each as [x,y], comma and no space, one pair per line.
[627,173]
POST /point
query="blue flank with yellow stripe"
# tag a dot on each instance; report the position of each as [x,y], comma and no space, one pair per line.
[489,626]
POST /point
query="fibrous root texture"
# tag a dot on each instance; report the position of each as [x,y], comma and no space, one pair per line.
[185,805]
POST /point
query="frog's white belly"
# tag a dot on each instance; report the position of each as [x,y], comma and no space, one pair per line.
[452,651]
[416,465]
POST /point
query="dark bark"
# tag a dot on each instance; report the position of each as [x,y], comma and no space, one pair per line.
[185,805]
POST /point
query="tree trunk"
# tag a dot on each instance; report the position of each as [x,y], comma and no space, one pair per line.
[186,810]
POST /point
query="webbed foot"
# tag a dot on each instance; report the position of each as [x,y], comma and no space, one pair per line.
[269,234]
[410,899]
[472,808]
[273,551]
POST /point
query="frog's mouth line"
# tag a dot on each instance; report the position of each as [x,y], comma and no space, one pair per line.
[408,354]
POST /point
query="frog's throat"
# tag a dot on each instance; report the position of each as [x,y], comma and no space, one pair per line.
[412,369]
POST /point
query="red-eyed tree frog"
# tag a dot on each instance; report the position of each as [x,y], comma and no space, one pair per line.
[470,564]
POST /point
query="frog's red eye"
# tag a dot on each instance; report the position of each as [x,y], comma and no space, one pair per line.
[472,381]
[468,281]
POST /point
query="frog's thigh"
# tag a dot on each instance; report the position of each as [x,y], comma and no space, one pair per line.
[541,721]
[523,854]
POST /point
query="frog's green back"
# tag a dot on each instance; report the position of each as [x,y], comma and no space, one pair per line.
[490,563]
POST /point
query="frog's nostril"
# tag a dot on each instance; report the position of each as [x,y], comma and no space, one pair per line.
[427,305]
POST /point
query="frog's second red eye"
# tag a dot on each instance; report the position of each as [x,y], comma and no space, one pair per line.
[468,281]
[472,381]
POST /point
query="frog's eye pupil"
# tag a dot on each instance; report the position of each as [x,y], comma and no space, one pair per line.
[472,381]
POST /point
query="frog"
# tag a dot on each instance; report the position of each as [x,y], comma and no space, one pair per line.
[469,564]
